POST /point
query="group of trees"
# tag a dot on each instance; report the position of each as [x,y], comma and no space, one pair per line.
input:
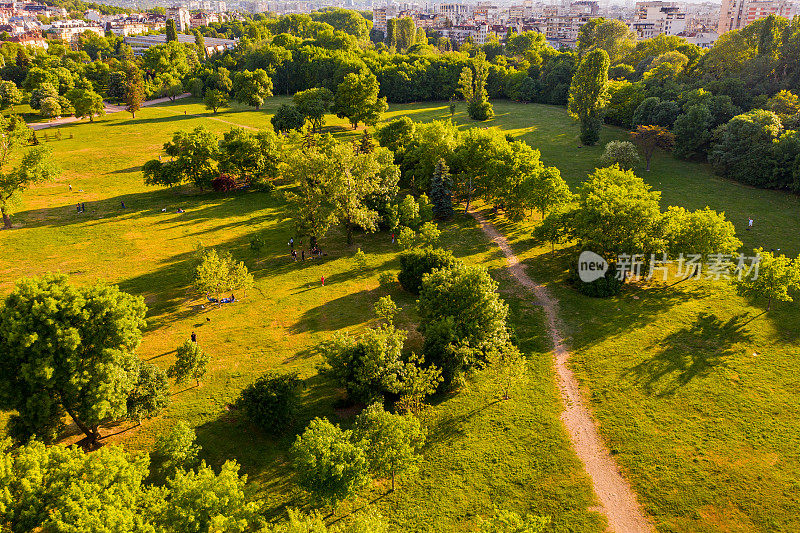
[478,163]
[203,159]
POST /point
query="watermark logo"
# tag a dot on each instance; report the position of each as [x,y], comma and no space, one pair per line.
[591,266]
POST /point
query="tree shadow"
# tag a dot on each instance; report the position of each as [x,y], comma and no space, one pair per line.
[336,314]
[692,352]
[448,428]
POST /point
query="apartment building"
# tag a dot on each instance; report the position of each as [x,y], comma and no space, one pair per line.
[736,14]
[658,18]
[181,17]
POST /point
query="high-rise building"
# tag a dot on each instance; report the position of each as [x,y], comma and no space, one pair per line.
[736,14]
[181,17]
[656,18]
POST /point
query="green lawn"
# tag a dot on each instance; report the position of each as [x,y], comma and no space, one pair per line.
[480,453]
[694,388]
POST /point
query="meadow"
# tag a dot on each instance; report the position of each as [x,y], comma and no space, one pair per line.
[693,386]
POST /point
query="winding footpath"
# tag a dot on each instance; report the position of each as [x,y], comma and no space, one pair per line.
[617,499]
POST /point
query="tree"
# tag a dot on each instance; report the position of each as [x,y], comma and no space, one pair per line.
[204,501]
[612,36]
[648,138]
[86,102]
[370,366]
[738,148]
[313,104]
[252,156]
[472,84]
[59,488]
[134,90]
[48,330]
[200,43]
[392,442]
[617,212]
[193,156]
[336,181]
[175,450]
[462,318]
[622,153]
[692,132]
[190,362]
[414,264]
[703,232]
[328,463]
[588,94]
[150,394]
[505,521]
[219,272]
[287,118]
[357,98]
[251,88]
[776,278]
[172,32]
[50,108]
[271,402]
[442,191]
[10,95]
[215,99]
[35,164]
[509,370]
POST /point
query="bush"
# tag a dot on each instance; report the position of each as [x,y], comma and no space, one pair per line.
[386,279]
[175,450]
[223,183]
[604,287]
[480,110]
[271,402]
[622,153]
[257,244]
[416,263]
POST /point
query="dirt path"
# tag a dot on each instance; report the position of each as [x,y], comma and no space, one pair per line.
[109,109]
[617,499]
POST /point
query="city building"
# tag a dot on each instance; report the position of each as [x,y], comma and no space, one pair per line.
[140,43]
[736,14]
[181,17]
[658,18]
[70,30]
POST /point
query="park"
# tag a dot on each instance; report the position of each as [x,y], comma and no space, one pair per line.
[685,380]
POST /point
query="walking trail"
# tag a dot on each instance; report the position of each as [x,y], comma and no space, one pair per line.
[617,499]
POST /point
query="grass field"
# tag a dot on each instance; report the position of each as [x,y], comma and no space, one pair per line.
[695,391]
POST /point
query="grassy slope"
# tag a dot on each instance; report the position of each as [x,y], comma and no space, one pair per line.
[480,454]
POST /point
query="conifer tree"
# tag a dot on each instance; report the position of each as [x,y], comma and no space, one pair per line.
[441,191]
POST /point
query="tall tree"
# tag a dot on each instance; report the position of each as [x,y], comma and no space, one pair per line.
[472,84]
[442,191]
[357,98]
[172,32]
[193,157]
[612,36]
[134,90]
[190,362]
[35,164]
[64,348]
[215,99]
[588,94]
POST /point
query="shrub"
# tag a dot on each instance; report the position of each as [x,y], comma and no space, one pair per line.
[407,238]
[416,263]
[622,153]
[480,110]
[175,450]
[271,402]
[223,183]
[258,243]
[603,287]
[386,279]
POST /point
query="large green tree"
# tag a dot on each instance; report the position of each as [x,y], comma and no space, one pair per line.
[313,104]
[588,94]
[357,98]
[67,349]
[776,279]
[251,88]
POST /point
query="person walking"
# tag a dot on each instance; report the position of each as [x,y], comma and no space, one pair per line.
[303,252]
[323,280]
[70,188]
[291,243]
[392,238]
[749,223]
[194,337]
